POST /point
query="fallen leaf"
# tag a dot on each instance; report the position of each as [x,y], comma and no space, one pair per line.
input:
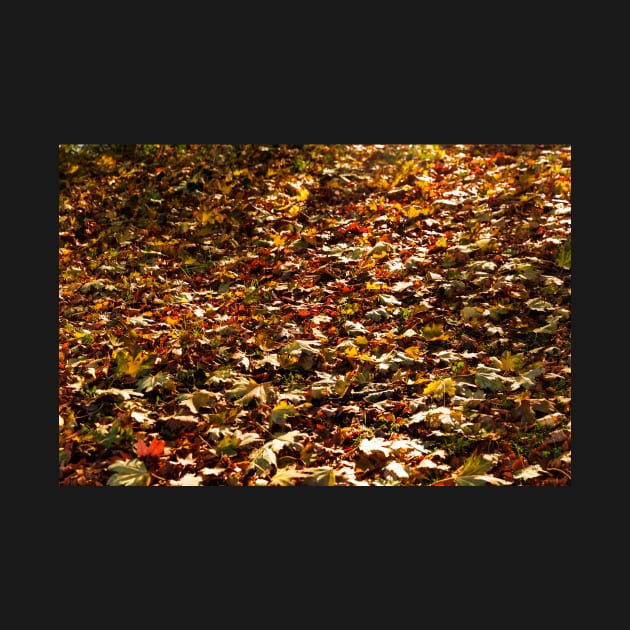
[131,472]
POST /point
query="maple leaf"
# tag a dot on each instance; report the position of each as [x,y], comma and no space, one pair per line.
[472,472]
[355,329]
[262,459]
[227,416]
[228,445]
[394,472]
[550,327]
[189,460]
[300,352]
[538,304]
[508,362]
[489,378]
[248,390]
[134,366]
[290,439]
[93,285]
[287,476]
[375,446]
[198,399]
[375,286]
[527,380]
[442,417]
[529,472]
[299,346]
[149,383]
[280,413]
[131,472]
[155,449]
[441,387]
[264,341]
[434,332]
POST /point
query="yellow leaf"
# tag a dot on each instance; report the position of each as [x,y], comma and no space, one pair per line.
[508,362]
[440,387]
[287,360]
[280,413]
[206,216]
[415,352]
[434,332]
[134,366]
[224,187]
[411,212]
[375,286]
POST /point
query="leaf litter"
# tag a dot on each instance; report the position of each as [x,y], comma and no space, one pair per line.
[327,315]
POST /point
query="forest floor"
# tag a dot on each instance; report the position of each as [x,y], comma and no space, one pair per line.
[391,315]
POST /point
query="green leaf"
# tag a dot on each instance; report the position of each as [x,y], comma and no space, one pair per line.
[227,416]
[551,327]
[473,472]
[489,378]
[476,465]
[93,285]
[131,472]
[280,413]
[434,332]
[228,445]
[110,437]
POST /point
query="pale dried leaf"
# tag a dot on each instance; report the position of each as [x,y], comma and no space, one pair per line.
[189,479]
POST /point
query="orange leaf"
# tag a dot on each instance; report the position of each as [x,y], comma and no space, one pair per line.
[155,449]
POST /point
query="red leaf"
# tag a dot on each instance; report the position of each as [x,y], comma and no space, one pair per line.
[155,449]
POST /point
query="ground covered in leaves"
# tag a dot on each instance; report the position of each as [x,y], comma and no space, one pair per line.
[314,315]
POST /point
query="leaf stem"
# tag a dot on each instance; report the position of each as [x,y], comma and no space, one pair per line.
[566,474]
